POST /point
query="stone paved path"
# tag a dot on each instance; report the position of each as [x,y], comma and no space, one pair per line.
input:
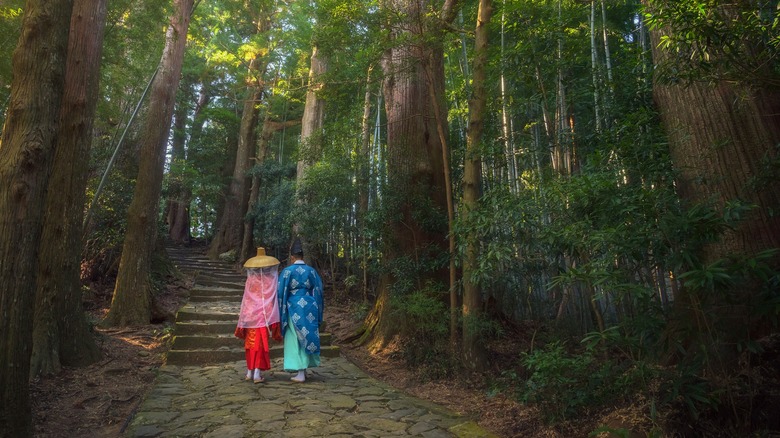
[337,400]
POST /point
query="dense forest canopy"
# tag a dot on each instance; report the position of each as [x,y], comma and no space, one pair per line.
[605,172]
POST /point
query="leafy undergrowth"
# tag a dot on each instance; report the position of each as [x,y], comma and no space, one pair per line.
[99,400]
[490,398]
[552,391]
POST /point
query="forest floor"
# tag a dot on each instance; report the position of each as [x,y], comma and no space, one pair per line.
[467,395]
[100,400]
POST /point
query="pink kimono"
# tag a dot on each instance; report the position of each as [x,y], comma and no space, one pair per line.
[259,316]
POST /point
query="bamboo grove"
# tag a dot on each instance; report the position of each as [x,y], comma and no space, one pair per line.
[601,176]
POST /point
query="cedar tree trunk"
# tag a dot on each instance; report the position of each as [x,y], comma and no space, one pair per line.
[416,182]
[178,204]
[132,301]
[311,143]
[61,335]
[26,152]
[722,137]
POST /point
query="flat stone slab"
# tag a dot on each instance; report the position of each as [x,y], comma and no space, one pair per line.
[216,401]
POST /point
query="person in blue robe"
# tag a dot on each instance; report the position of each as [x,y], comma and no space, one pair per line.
[300,304]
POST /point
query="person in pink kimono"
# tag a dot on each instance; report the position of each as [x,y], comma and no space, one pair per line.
[258,319]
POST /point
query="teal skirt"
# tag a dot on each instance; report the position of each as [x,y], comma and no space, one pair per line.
[295,357]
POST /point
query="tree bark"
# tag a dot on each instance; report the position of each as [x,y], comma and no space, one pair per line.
[248,236]
[415,167]
[180,213]
[248,247]
[26,152]
[719,136]
[313,115]
[474,356]
[311,142]
[178,204]
[132,301]
[453,271]
[722,137]
[61,335]
[363,185]
[229,232]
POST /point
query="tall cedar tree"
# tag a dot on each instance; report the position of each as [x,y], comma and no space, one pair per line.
[721,137]
[132,301]
[248,241]
[61,335]
[231,220]
[415,164]
[263,150]
[177,209]
[26,153]
[363,183]
[311,125]
[178,206]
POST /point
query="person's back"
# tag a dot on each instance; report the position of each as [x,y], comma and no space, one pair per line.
[301,306]
[259,314]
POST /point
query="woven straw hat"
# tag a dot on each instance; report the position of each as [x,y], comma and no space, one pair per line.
[261,260]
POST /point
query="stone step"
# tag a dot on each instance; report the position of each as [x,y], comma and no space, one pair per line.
[187,316]
[211,313]
[205,356]
[188,255]
[193,258]
[206,266]
[215,298]
[205,328]
[205,325]
[212,342]
[230,277]
[211,271]
[210,291]
[184,257]
[207,281]
[216,294]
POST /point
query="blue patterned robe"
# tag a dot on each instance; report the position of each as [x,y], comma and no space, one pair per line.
[300,302]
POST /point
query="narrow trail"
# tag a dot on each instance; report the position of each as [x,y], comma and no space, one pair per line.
[201,391]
